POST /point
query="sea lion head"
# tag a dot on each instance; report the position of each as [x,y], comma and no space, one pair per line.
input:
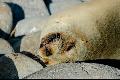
[58,48]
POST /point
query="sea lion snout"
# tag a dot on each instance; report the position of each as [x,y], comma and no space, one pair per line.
[56,45]
[49,38]
[48,42]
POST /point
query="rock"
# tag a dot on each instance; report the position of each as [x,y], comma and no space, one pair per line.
[85,0]
[29,43]
[16,65]
[27,8]
[69,0]
[60,5]
[5,46]
[5,19]
[77,71]
[30,7]
[29,25]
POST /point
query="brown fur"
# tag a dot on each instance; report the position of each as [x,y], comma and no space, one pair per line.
[88,31]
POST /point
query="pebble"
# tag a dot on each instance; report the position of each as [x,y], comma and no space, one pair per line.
[17,66]
[5,46]
[5,19]
[29,43]
[29,25]
[22,9]
[29,8]
[77,71]
[68,0]
[60,5]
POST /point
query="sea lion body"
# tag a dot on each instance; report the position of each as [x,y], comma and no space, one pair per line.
[88,31]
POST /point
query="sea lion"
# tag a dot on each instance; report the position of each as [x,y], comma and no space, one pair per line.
[88,31]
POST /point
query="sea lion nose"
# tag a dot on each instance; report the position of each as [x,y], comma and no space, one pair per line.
[48,52]
[47,41]
[53,36]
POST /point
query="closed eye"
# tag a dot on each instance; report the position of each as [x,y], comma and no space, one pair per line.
[48,52]
[70,46]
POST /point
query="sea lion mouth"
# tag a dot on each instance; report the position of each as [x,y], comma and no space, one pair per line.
[47,61]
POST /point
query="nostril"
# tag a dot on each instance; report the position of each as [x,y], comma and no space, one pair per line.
[46,62]
[48,52]
[41,45]
[50,38]
[58,35]
[53,36]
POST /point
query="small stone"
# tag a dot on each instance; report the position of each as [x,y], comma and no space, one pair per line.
[5,46]
[77,71]
[17,66]
[5,19]
[60,5]
[29,25]
[69,0]
[29,43]
[27,8]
